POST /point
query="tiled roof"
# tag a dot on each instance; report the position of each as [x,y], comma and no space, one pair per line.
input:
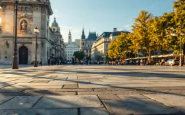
[92,36]
[107,34]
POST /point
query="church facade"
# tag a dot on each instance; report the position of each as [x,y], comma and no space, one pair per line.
[86,43]
[71,47]
[31,14]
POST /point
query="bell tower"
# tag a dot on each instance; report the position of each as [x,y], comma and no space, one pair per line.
[82,41]
[69,37]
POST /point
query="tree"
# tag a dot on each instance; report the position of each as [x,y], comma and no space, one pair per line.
[123,44]
[179,7]
[112,49]
[98,57]
[159,32]
[88,58]
[141,32]
[119,47]
[79,54]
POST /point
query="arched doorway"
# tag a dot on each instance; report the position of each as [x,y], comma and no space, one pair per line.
[23,55]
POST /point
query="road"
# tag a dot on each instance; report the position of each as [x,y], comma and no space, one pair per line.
[92,90]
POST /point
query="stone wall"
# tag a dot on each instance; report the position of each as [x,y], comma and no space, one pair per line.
[29,17]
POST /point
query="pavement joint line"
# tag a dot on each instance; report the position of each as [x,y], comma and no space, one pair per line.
[8,100]
[103,105]
[79,112]
[36,102]
[164,104]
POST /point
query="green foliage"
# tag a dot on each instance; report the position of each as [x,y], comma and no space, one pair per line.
[141,30]
[179,18]
[79,54]
[152,34]
[88,58]
[98,57]
[120,47]
[112,49]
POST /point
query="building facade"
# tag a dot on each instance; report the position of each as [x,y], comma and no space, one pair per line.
[71,47]
[31,14]
[58,49]
[100,46]
[86,43]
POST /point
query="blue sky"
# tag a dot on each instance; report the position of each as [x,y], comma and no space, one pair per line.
[102,15]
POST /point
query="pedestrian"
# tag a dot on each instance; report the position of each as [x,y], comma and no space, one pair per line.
[141,62]
[49,60]
[40,62]
[163,62]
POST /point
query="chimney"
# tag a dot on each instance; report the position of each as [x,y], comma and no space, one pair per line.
[114,29]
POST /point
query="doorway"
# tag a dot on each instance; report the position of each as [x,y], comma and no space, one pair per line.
[23,55]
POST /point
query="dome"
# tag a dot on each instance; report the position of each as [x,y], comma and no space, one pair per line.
[55,23]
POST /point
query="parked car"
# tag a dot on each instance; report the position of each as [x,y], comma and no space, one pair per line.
[171,62]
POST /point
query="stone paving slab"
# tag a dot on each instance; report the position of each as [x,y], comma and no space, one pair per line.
[40,81]
[68,102]
[92,85]
[81,90]
[130,96]
[55,82]
[21,81]
[108,97]
[20,102]
[47,92]
[40,112]
[4,90]
[136,106]
[170,100]
[93,111]
[4,98]
[38,86]
[16,87]
[112,89]
[105,92]
[31,84]
[72,86]
[15,94]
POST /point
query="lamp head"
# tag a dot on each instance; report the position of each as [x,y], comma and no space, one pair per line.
[36,30]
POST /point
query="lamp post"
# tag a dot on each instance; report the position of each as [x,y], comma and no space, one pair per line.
[36,31]
[180,63]
[15,64]
[181,53]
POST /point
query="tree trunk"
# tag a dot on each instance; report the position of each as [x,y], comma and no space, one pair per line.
[149,57]
[183,54]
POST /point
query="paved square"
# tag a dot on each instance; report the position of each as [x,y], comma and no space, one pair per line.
[92,90]
[20,102]
[68,102]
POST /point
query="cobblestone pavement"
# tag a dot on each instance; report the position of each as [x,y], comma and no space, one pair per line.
[92,90]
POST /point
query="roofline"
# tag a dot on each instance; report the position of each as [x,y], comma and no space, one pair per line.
[48,4]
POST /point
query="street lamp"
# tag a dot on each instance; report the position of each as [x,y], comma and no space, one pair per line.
[181,53]
[15,64]
[181,63]
[36,31]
